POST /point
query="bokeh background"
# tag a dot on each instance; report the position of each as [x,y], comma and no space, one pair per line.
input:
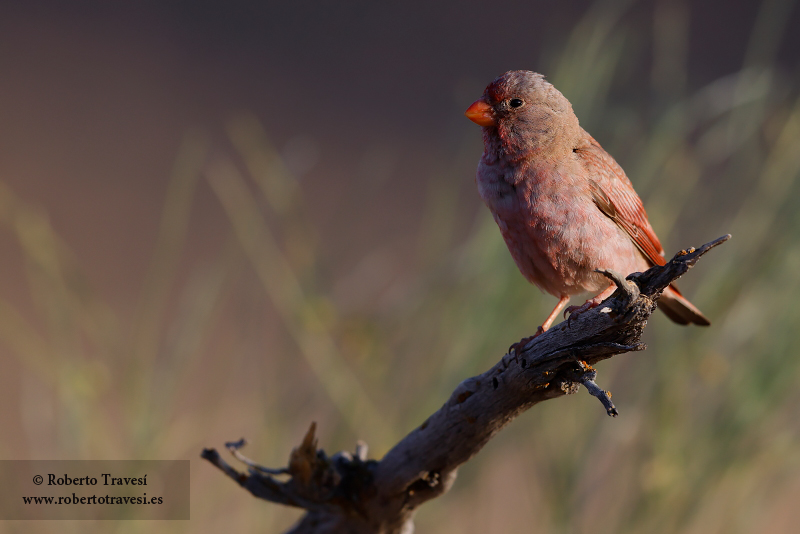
[226,219]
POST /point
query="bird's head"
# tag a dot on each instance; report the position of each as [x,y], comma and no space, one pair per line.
[521,112]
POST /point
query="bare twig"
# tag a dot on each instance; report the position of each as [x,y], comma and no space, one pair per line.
[347,493]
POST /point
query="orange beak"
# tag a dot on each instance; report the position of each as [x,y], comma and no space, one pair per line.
[480,113]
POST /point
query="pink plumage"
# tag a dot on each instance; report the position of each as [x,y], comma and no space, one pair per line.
[564,206]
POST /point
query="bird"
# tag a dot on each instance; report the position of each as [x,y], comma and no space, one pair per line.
[564,206]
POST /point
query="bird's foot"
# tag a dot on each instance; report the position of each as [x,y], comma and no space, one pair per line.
[575,311]
[517,347]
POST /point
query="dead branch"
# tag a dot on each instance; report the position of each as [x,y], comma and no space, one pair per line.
[348,493]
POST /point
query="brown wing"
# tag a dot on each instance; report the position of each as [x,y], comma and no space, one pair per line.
[613,193]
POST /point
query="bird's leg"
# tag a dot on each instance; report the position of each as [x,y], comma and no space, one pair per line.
[553,314]
[574,311]
[517,347]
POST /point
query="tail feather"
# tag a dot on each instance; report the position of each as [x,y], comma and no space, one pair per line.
[679,309]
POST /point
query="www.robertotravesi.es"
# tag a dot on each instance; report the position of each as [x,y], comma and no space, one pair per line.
[93,499]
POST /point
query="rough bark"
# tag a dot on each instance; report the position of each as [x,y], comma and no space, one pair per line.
[348,493]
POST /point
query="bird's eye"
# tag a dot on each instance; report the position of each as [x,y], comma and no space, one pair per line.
[515,102]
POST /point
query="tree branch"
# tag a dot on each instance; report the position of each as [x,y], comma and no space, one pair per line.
[348,493]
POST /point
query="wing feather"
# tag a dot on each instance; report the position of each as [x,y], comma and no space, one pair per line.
[614,195]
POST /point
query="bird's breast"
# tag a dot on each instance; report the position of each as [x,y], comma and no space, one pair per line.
[552,228]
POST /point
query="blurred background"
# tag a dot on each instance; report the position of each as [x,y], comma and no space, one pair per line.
[227,219]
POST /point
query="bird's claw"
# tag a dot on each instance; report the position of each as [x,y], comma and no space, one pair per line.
[575,311]
[519,345]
